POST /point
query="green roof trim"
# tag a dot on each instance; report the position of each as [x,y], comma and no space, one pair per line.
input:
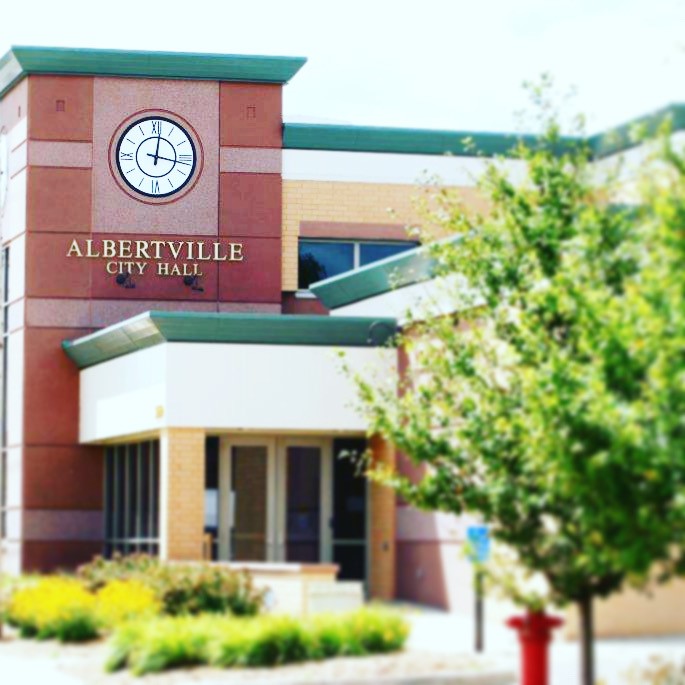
[466,143]
[23,60]
[153,328]
[405,140]
[391,273]
[623,138]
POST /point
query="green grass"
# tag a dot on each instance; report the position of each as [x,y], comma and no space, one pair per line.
[153,645]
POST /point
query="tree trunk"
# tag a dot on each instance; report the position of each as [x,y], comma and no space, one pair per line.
[587,642]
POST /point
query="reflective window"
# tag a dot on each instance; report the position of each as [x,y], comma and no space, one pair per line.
[320,259]
[372,252]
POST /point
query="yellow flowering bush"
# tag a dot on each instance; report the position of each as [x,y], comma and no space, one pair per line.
[121,600]
[54,608]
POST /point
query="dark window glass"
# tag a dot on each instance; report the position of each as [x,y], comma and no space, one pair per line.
[352,561]
[303,509]
[349,509]
[372,252]
[349,491]
[212,493]
[144,470]
[131,497]
[319,260]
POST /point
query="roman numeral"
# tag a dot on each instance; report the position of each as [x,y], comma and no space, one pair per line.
[185,159]
[154,186]
[126,155]
[156,127]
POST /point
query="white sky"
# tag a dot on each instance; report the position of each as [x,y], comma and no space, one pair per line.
[456,64]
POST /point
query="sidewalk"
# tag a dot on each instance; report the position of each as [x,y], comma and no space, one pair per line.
[436,631]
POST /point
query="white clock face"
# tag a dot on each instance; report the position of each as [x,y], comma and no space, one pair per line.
[156,157]
[4,168]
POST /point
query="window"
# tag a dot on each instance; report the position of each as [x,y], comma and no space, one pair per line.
[319,259]
[132,498]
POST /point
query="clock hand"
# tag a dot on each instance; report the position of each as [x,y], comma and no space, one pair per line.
[159,137]
[166,159]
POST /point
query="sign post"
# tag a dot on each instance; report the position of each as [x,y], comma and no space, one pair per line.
[478,538]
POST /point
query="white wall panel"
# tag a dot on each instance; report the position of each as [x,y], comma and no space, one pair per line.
[227,387]
[377,167]
[123,396]
[267,387]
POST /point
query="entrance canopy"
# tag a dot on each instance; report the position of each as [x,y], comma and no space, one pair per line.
[228,372]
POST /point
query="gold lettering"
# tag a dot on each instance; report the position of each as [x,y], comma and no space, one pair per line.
[196,270]
[141,266]
[141,249]
[158,246]
[125,249]
[74,249]
[111,267]
[201,253]
[108,249]
[175,270]
[217,253]
[190,249]
[236,252]
[89,249]
[163,269]
[175,248]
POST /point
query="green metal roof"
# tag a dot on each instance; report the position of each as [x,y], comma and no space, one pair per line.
[405,140]
[398,271]
[621,138]
[23,60]
[154,328]
[465,143]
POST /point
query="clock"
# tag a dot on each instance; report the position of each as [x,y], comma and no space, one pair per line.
[155,157]
[4,168]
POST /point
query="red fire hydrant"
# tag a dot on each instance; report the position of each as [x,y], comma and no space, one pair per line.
[535,632]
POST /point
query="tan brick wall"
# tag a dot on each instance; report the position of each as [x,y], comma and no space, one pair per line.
[182,493]
[655,612]
[343,201]
[382,535]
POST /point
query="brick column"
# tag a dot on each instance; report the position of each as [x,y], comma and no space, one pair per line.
[182,493]
[382,537]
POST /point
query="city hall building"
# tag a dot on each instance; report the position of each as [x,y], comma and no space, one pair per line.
[181,270]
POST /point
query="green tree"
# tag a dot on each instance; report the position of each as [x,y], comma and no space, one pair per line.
[552,403]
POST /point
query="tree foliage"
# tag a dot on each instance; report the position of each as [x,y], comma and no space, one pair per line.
[552,404]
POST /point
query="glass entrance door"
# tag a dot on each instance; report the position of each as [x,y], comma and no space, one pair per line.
[247,473]
[304,476]
[275,500]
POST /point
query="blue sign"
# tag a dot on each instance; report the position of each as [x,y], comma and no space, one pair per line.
[478,538]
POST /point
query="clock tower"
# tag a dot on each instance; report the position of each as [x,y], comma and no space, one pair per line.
[174,159]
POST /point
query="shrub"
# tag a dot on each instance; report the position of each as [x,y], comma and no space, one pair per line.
[122,600]
[165,642]
[54,608]
[181,588]
[149,646]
